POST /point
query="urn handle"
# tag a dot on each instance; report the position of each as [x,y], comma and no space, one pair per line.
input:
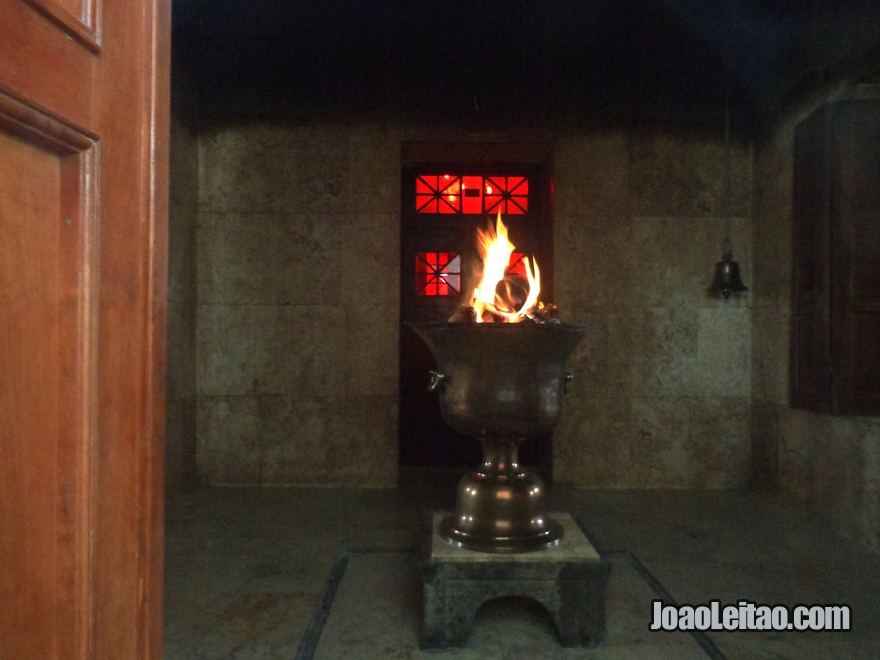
[565,381]
[437,380]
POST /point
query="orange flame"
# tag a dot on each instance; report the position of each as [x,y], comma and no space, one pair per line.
[495,249]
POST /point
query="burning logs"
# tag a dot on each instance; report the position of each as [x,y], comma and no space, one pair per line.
[540,313]
[503,296]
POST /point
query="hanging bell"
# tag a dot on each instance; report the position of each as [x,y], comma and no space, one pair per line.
[727,277]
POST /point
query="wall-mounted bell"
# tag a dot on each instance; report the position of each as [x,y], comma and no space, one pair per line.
[727,277]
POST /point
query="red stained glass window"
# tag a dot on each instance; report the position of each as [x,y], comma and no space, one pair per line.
[508,194]
[449,194]
[438,273]
[438,194]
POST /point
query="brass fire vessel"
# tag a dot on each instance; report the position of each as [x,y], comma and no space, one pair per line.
[500,383]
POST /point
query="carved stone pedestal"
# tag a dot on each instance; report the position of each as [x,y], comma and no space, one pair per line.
[568,579]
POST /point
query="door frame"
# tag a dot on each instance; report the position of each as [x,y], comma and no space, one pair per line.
[502,158]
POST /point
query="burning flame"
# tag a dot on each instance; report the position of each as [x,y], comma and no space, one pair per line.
[495,249]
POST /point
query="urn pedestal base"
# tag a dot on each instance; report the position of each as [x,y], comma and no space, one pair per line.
[568,579]
[500,507]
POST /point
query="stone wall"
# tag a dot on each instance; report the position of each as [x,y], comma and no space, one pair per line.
[298,276]
[180,435]
[829,464]
[298,249]
[661,396]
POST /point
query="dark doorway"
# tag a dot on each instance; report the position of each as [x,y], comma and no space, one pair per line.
[442,206]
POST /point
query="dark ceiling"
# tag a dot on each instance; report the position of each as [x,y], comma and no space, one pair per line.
[520,62]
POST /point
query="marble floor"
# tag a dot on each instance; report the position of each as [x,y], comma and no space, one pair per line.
[331,574]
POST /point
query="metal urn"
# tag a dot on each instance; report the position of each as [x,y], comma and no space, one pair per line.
[500,383]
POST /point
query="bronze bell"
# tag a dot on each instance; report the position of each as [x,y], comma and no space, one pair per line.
[727,277]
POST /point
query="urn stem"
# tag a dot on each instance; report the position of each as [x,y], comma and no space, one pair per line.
[500,457]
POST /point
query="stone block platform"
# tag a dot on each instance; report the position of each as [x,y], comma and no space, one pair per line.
[569,579]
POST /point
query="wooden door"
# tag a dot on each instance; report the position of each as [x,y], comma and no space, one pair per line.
[83,180]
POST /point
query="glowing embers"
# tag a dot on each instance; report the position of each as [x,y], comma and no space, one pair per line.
[449,194]
[438,273]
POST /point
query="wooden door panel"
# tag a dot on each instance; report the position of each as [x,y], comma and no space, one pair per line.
[76,18]
[28,546]
[43,67]
[45,312]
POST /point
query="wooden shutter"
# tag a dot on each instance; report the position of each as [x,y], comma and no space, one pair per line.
[809,360]
[855,257]
[835,321]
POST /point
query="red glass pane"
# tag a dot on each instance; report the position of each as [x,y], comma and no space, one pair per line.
[452,186]
[517,205]
[493,188]
[425,204]
[517,185]
[426,185]
[472,194]
[517,265]
[426,194]
[495,185]
[449,194]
